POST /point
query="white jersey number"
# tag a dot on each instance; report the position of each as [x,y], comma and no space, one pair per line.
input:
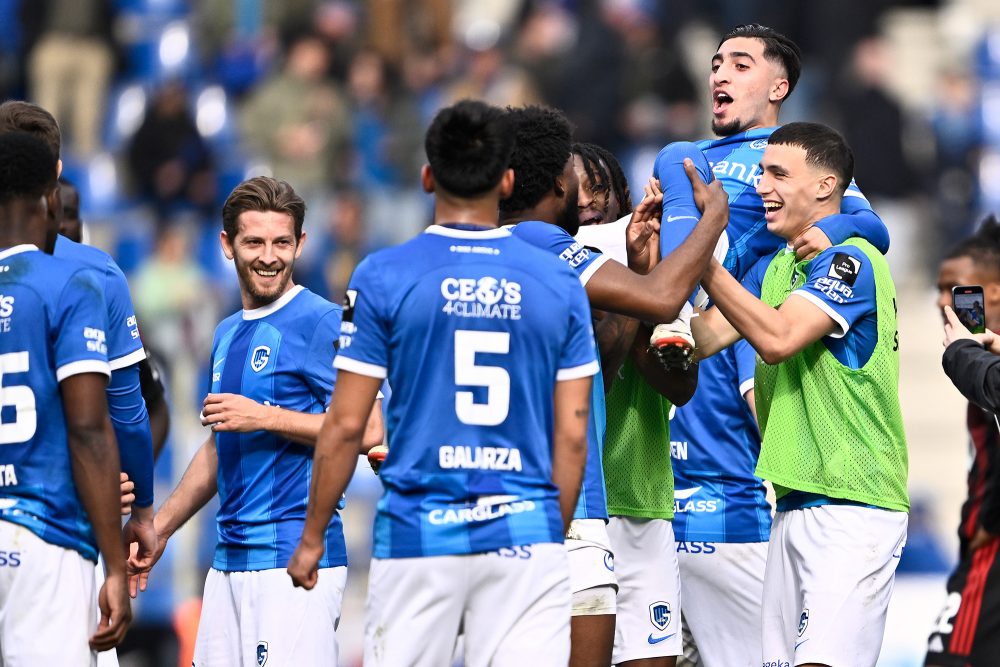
[495,379]
[21,397]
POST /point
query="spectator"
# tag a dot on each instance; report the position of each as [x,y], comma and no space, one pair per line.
[299,122]
[170,164]
[70,63]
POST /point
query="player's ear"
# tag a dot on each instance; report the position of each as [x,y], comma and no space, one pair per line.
[227,245]
[826,186]
[427,178]
[507,184]
[779,90]
[298,246]
[559,186]
[58,169]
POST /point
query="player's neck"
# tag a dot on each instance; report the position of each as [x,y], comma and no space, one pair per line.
[17,227]
[813,217]
[480,212]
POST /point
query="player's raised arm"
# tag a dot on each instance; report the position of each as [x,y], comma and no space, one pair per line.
[95,473]
[658,296]
[339,444]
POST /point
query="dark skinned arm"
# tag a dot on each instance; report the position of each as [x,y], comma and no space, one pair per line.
[338,446]
[659,295]
[96,469]
[569,442]
[615,334]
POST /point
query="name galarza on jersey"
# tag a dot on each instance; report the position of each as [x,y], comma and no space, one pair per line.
[463,457]
[486,297]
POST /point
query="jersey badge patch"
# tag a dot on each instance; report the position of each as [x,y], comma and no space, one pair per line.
[261,654]
[659,614]
[260,357]
[844,267]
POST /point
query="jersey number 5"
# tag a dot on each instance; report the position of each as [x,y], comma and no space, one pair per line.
[495,379]
[20,397]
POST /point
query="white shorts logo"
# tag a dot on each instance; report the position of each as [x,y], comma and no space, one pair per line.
[261,654]
[659,614]
[803,621]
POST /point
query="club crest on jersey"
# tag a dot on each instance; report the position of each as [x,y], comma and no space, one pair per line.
[758,144]
[844,267]
[803,621]
[260,357]
[261,654]
[659,614]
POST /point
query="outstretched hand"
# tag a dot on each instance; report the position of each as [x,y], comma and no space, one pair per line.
[955,330]
[642,236]
[706,195]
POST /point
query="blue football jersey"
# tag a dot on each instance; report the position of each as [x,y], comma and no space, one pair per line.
[52,326]
[593,502]
[735,161]
[473,328]
[282,355]
[726,501]
[124,344]
[714,448]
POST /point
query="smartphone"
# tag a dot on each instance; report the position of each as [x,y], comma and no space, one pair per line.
[969,305]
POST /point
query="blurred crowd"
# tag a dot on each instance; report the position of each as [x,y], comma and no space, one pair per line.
[165,105]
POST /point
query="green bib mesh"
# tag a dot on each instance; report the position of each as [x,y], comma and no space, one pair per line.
[827,428]
[637,469]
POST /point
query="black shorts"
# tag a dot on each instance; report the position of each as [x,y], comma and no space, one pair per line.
[967,633]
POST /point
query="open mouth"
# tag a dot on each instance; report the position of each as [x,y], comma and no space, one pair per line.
[770,208]
[265,273]
[721,102]
[591,219]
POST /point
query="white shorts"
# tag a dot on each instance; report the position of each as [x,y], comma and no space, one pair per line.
[512,606]
[722,585]
[107,658]
[827,584]
[591,568]
[649,590]
[47,594]
[253,618]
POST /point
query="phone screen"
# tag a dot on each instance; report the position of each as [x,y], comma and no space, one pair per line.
[970,307]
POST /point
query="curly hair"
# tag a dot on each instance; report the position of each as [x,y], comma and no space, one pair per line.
[601,165]
[542,142]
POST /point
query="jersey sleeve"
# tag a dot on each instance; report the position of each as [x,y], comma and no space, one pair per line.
[318,370]
[856,218]
[579,354]
[746,364]
[364,331]
[80,324]
[841,283]
[753,280]
[124,344]
[583,260]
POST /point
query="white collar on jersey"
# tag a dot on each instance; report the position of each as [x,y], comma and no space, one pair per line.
[17,249]
[274,306]
[440,230]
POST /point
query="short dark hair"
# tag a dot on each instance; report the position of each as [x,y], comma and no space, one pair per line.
[824,146]
[542,144]
[27,167]
[20,116]
[262,193]
[468,147]
[982,247]
[600,162]
[777,49]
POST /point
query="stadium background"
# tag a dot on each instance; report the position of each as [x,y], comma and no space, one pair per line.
[167,104]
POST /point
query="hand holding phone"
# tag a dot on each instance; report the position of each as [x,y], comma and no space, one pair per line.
[970,307]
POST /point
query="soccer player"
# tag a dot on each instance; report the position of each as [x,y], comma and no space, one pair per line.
[637,469]
[544,208]
[59,506]
[127,410]
[968,630]
[272,373]
[827,395]
[488,347]
[722,505]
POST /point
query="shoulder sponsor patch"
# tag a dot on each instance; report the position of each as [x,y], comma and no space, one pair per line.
[845,268]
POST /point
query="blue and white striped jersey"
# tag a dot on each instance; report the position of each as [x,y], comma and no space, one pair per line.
[473,328]
[280,354]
